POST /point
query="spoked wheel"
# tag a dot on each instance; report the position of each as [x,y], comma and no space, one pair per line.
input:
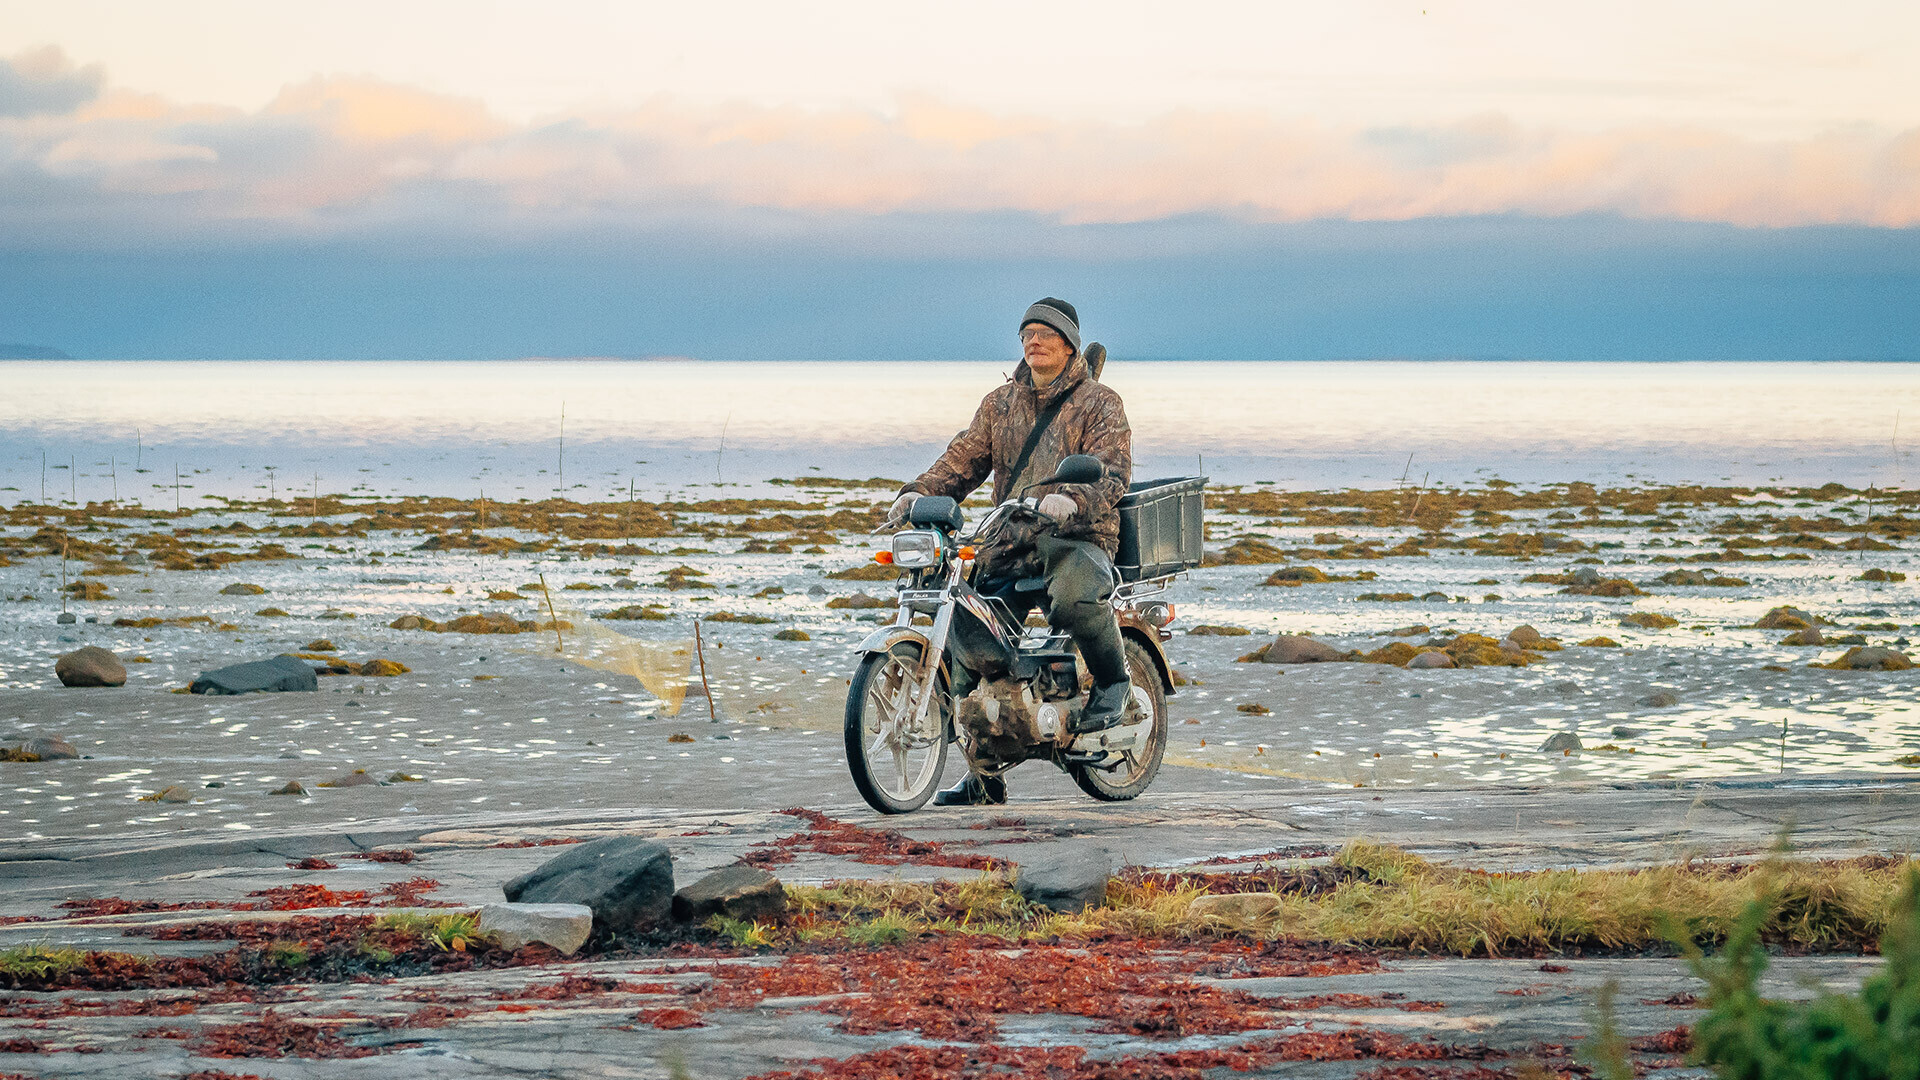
[895,764]
[1140,762]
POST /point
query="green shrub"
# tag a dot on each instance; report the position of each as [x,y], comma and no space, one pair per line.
[1874,1035]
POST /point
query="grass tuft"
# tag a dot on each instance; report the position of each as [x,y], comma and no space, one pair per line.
[38,962]
[451,932]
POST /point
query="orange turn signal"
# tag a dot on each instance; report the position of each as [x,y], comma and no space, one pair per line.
[884,558]
[967,553]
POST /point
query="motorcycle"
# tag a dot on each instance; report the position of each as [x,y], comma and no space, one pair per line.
[1028,683]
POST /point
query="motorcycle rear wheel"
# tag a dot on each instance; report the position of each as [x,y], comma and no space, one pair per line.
[1136,769]
[896,767]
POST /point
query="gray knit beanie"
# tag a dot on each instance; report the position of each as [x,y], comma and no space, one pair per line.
[1057,314]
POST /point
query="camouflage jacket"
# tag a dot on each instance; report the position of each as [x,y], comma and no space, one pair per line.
[1093,421]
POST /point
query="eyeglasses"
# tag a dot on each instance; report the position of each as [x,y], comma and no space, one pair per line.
[1032,331]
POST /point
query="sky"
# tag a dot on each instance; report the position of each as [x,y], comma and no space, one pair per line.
[760,180]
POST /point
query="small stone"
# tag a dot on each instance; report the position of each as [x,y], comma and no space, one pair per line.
[1649,620]
[172,793]
[1523,635]
[90,666]
[1068,880]
[1207,630]
[1435,595]
[356,778]
[1430,660]
[291,787]
[816,590]
[66,618]
[216,783]
[50,748]
[241,588]
[1810,636]
[1566,688]
[1561,742]
[859,600]
[1584,575]
[1659,699]
[1233,908]
[1599,643]
[271,613]
[320,645]
[792,635]
[1785,618]
[1622,731]
[384,668]
[747,893]
[1410,631]
[409,778]
[563,926]
[627,881]
[1871,658]
[1297,649]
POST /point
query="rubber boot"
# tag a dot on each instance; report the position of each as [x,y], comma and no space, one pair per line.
[1106,707]
[974,790]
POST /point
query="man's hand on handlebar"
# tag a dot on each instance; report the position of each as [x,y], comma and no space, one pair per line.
[1058,507]
[897,515]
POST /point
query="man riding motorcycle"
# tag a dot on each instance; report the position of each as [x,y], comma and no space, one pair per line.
[1052,407]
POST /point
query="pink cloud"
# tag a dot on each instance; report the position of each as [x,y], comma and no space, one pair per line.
[332,153]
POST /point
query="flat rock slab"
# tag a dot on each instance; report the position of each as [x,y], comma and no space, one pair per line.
[504,1027]
[566,927]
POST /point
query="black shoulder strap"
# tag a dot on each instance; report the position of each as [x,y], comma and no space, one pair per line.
[1040,425]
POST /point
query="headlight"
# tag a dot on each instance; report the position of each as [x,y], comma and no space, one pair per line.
[916,548]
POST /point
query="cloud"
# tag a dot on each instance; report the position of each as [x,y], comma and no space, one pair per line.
[335,156]
[45,81]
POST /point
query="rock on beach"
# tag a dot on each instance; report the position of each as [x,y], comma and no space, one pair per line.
[90,666]
[1295,649]
[563,926]
[737,892]
[1069,880]
[625,880]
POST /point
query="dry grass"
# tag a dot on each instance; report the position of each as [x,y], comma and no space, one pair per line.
[1382,896]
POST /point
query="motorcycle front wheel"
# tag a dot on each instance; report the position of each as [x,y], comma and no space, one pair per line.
[1137,766]
[896,764]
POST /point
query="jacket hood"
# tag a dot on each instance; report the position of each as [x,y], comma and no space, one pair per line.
[1075,374]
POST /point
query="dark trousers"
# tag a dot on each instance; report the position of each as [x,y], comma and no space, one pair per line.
[1080,582]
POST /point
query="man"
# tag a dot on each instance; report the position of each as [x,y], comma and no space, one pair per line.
[1053,386]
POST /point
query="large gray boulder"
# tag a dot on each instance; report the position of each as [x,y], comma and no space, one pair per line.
[738,892]
[1430,660]
[1296,649]
[90,665]
[1067,879]
[627,881]
[563,926]
[282,673]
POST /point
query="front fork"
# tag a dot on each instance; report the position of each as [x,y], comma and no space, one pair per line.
[936,646]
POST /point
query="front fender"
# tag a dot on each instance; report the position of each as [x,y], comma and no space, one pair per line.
[888,636]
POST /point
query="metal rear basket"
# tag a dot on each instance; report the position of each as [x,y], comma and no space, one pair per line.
[1161,527]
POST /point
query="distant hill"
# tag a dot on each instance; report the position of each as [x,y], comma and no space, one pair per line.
[15,351]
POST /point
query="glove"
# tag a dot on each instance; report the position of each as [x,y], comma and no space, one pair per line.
[898,514]
[1058,507]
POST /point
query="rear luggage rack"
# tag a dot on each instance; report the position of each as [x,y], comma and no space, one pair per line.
[1162,527]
